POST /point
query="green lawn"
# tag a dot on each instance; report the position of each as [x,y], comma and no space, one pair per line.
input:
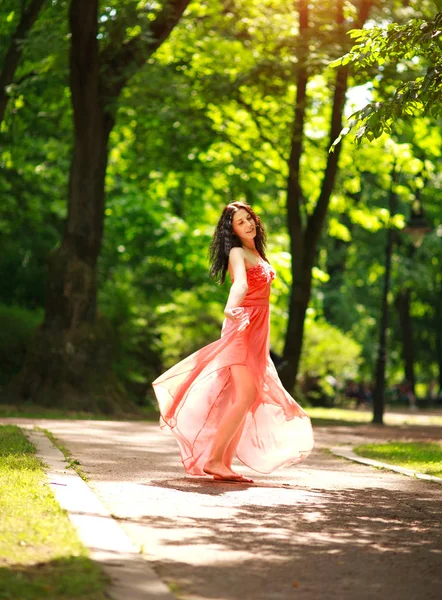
[27,410]
[345,416]
[319,415]
[40,553]
[419,456]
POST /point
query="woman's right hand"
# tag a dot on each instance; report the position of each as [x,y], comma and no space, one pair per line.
[238,315]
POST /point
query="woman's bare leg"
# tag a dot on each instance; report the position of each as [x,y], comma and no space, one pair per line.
[245,395]
[231,448]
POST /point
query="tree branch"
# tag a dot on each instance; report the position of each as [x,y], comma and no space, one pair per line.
[295,196]
[316,219]
[15,49]
[255,114]
[121,62]
[244,152]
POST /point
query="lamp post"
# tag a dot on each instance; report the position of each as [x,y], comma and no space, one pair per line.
[379,386]
[416,227]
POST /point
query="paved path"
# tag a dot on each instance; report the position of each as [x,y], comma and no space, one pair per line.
[327,529]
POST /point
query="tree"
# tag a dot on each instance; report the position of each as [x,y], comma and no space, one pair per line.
[70,357]
[305,227]
[13,54]
[417,47]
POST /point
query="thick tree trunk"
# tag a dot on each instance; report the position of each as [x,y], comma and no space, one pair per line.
[69,362]
[14,52]
[70,359]
[403,306]
[71,296]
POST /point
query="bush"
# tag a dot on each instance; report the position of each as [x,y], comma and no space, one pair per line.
[17,326]
[329,358]
[137,358]
[191,321]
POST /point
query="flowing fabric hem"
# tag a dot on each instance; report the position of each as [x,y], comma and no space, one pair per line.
[194,394]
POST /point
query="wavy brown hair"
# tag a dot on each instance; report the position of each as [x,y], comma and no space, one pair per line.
[224,240]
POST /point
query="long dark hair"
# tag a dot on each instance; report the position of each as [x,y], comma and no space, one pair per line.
[224,240]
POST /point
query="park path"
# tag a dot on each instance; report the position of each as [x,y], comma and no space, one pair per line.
[326,529]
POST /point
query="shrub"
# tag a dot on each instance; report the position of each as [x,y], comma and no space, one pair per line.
[17,326]
[329,358]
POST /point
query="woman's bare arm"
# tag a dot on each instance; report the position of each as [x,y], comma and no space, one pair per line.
[239,286]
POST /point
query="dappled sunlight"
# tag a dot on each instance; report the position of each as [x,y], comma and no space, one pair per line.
[279,523]
[337,526]
[359,526]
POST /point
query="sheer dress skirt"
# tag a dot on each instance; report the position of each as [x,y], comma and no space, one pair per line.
[194,394]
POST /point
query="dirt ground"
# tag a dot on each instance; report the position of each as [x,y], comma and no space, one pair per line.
[325,529]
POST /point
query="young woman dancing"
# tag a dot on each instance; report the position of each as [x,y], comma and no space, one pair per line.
[226,399]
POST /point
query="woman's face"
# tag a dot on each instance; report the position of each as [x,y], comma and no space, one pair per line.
[244,225]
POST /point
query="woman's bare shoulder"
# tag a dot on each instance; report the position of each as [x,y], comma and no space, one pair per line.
[236,253]
[237,263]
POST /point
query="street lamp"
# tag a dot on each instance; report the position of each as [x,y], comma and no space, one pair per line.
[416,227]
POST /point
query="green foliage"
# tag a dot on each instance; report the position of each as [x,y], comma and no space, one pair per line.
[423,457]
[329,357]
[137,359]
[192,320]
[208,120]
[35,144]
[17,326]
[415,50]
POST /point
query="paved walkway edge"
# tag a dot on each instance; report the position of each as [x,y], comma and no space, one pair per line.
[130,574]
[348,453]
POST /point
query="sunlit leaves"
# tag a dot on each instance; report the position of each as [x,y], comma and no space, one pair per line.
[338,230]
[414,47]
[208,120]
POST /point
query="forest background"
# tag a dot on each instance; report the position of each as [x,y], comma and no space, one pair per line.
[179,108]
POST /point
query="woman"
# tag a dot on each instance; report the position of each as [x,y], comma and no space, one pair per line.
[226,399]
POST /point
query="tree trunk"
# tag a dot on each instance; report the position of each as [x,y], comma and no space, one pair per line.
[336,265]
[299,299]
[69,362]
[438,324]
[14,52]
[304,244]
[71,355]
[304,240]
[71,295]
[300,292]
[403,306]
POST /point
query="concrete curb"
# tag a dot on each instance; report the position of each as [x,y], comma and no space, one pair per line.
[130,574]
[348,453]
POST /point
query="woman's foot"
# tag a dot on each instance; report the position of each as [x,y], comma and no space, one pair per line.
[220,471]
[245,479]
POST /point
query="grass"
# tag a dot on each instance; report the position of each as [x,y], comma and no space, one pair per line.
[320,416]
[422,457]
[28,410]
[73,463]
[336,416]
[40,553]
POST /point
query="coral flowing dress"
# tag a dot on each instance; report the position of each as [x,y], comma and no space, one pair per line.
[194,394]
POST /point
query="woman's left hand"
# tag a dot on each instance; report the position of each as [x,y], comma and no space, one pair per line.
[239,315]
